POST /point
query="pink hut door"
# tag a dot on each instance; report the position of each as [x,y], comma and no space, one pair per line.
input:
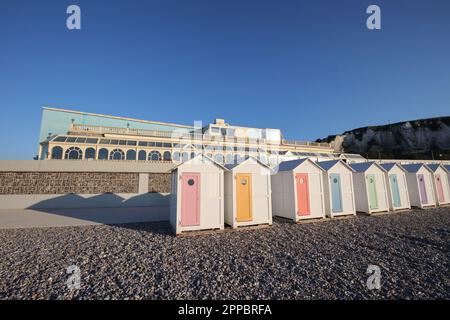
[302,194]
[190,199]
[439,188]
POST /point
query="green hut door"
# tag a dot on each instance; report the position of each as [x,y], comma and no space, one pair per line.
[371,185]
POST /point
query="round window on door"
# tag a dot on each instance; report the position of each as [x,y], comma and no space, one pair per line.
[334,180]
[302,181]
[437,179]
[371,180]
[243,182]
[191,182]
[421,179]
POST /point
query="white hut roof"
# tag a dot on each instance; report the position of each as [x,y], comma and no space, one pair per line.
[327,165]
[292,164]
[197,158]
[414,167]
[389,166]
[435,166]
[363,166]
[231,166]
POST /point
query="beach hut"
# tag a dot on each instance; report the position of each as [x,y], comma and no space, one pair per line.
[248,193]
[447,168]
[420,180]
[197,192]
[441,185]
[297,190]
[398,189]
[369,181]
[338,186]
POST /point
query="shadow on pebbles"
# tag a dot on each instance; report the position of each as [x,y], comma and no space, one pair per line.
[321,260]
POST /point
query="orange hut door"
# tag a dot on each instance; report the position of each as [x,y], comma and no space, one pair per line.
[302,194]
[244,197]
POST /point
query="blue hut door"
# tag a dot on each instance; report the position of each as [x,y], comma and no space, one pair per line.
[395,190]
[336,197]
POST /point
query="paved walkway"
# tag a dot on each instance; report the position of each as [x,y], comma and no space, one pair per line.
[27,218]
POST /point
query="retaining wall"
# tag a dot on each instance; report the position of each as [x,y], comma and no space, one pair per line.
[61,184]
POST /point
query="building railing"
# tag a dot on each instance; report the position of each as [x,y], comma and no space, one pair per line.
[124,131]
[414,161]
[188,136]
[305,143]
[114,160]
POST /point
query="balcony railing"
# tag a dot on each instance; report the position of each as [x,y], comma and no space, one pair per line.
[187,135]
[305,143]
[123,131]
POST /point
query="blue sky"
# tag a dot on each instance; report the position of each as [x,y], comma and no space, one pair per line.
[311,68]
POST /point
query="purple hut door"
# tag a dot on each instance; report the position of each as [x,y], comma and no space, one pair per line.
[422,189]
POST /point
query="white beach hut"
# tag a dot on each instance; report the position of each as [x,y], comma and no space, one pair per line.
[398,189]
[447,168]
[338,186]
[369,181]
[420,180]
[197,195]
[297,190]
[441,185]
[248,193]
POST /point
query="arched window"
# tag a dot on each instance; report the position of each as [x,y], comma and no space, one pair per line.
[73,153]
[89,153]
[57,153]
[176,156]
[219,158]
[117,154]
[142,155]
[103,154]
[229,159]
[167,156]
[131,155]
[154,156]
[185,156]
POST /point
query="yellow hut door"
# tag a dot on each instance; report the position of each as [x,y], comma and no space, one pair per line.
[244,197]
